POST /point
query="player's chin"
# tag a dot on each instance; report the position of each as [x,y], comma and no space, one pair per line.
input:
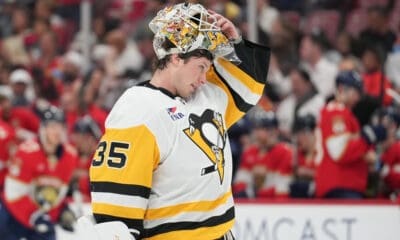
[188,92]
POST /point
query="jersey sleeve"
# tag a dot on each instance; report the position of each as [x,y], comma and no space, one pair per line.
[17,188]
[121,175]
[244,83]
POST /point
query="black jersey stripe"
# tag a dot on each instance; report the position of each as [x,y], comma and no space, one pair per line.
[136,224]
[176,226]
[163,90]
[120,188]
[254,59]
[240,103]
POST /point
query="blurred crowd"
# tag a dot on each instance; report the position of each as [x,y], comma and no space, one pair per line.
[275,148]
[328,124]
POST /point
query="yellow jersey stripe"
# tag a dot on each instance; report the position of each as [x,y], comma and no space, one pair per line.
[201,206]
[254,86]
[118,211]
[232,114]
[196,234]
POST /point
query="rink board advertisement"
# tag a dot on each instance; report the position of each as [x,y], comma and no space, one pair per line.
[308,221]
[317,222]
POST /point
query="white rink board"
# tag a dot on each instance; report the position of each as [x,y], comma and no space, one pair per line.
[317,222]
[308,222]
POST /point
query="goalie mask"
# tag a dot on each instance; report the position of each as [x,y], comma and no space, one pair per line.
[189,27]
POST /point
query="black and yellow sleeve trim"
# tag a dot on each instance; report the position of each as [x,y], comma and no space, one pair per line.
[119,188]
[233,113]
[239,102]
[254,59]
[244,83]
[217,225]
[121,175]
[136,224]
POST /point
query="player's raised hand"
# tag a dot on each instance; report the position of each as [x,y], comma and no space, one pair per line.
[227,27]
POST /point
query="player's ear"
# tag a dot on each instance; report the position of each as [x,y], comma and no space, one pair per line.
[175,59]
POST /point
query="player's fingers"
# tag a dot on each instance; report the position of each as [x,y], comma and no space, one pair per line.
[224,26]
[221,22]
[216,15]
[213,18]
[212,12]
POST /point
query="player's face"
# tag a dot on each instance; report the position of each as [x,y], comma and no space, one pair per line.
[191,75]
[54,132]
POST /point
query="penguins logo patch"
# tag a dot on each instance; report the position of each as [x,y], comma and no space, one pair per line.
[208,133]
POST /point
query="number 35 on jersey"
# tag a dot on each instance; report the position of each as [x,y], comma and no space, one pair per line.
[113,154]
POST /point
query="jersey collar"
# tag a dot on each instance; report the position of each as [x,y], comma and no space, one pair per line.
[163,90]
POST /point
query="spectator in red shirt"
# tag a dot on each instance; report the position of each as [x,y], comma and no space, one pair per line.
[390,172]
[303,185]
[266,167]
[347,151]
[24,121]
[374,80]
[37,182]
[75,108]
[85,136]
[7,145]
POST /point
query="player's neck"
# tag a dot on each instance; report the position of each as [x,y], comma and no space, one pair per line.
[163,79]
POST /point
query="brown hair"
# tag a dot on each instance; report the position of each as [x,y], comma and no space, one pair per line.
[162,63]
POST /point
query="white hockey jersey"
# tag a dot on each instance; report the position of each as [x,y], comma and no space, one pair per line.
[163,166]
